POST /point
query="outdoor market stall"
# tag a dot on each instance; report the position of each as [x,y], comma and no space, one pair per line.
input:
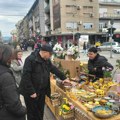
[84,99]
[81,112]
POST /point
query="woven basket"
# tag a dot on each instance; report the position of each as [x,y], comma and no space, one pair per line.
[55,102]
[68,115]
[56,99]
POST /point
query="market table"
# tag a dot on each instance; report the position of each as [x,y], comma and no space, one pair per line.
[81,112]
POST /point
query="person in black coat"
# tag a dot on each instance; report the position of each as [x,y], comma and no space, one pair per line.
[35,83]
[10,104]
[85,48]
[96,63]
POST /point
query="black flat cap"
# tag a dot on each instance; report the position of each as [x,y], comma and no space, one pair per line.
[93,49]
[47,48]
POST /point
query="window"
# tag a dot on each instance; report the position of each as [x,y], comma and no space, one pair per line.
[71,25]
[88,25]
[102,25]
[71,9]
[103,12]
[87,9]
[117,11]
[109,43]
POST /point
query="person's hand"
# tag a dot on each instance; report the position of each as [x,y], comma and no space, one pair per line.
[33,95]
[82,72]
[66,80]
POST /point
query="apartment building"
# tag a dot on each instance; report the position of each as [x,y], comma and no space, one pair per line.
[109,10]
[33,23]
[34,19]
[19,28]
[60,20]
[0,36]
[75,16]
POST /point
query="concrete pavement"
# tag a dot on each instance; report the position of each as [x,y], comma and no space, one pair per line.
[84,58]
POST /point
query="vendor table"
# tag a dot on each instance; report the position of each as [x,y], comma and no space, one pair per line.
[81,112]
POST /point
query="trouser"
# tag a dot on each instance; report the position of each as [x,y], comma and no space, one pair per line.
[35,107]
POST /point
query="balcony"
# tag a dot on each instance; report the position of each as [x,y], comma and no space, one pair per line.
[108,3]
[47,9]
[109,16]
[47,21]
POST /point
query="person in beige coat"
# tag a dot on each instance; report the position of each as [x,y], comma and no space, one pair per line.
[17,66]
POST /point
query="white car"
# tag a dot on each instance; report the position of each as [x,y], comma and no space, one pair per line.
[116,50]
[107,45]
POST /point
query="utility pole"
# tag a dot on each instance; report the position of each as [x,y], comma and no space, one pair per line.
[111,35]
[110,32]
[73,32]
[77,36]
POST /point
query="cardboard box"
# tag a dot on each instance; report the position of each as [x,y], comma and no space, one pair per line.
[70,65]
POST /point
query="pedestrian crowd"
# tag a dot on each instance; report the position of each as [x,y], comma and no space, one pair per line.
[31,79]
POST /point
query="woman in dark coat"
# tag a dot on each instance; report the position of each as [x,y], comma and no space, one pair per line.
[96,63]
[10,104]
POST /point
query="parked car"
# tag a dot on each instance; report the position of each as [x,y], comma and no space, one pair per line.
[107,45]
[116,50]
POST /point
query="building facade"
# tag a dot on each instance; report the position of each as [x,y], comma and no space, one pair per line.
[0,36]
[60,20]
[74,17]
[109,10]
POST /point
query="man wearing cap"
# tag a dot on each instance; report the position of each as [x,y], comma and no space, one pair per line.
[35,83]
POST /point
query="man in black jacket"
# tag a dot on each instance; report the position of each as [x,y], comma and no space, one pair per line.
[96,63]
[35,83]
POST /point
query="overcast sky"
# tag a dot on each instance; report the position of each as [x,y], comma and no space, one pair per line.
[11,11]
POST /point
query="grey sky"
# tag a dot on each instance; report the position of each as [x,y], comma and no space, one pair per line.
[11,11]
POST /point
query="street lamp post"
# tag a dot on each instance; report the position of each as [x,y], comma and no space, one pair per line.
[73,32]
[110,38]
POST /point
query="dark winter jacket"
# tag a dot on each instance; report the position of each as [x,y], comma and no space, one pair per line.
[10,104]
[98,62]
[84,46]
[36,75]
